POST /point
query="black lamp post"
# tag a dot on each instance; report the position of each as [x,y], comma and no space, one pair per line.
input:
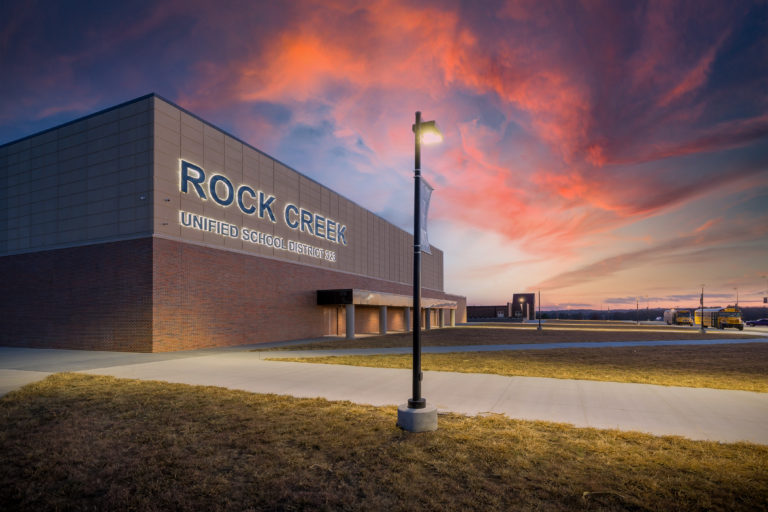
[427,132]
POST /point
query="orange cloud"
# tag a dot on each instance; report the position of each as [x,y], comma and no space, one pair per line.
[707,225]
[342,63]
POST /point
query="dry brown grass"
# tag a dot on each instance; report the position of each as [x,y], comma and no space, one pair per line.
[80,442]
[739,366]
[493,334]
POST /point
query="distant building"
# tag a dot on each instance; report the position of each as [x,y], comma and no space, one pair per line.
[522,307]
[486,312]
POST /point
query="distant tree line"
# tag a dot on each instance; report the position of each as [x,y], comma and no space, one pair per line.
[642,314]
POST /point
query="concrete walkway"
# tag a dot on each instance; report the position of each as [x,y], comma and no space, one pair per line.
[719,415]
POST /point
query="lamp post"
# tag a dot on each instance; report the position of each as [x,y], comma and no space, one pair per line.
[539,302]
[415,416]
[737,296]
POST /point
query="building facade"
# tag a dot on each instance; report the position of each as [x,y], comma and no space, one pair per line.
[522,307]
[487,312]
[144,228]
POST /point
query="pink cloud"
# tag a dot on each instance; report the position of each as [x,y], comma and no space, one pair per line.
[694,78]
[343,56]
[726,135]
[703,244]
[708,225]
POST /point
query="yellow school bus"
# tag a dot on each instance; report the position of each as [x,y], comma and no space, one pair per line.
[720,318]
[678,317]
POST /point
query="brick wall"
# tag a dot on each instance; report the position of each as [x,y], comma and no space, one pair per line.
[367,319]
[96,297]
[104,297]
[395,319]
[205,297]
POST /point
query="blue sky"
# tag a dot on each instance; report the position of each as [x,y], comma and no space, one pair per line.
[600,151]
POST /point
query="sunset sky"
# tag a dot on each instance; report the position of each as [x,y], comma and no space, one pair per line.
[599,151]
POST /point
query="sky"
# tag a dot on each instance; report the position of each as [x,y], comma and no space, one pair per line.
[603,152]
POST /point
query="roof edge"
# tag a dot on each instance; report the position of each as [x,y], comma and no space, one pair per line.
[88,116]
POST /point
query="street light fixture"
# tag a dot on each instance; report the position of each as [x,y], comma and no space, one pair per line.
[415,416]
[430,133]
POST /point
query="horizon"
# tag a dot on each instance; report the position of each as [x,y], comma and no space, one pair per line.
[546,309]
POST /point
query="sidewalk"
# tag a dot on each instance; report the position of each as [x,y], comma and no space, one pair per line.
[718,415]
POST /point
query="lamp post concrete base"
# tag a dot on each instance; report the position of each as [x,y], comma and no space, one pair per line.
[417,420]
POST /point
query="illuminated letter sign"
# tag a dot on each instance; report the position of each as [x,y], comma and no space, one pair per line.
[248,210]
[215,180]
[221,190]
[266,206]
[289,220]
[196,181]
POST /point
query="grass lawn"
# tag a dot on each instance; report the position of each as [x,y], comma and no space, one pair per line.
[740,366]
[80,442]
[493,334]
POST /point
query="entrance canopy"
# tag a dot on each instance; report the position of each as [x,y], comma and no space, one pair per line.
[370,298]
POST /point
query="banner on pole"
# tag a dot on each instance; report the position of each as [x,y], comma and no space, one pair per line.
[426,193]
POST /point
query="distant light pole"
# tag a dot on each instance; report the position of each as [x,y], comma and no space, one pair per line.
[637,310]
[703,330]
[737,296]
[539,301]
[765,297]
[409,417]
[521,300]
